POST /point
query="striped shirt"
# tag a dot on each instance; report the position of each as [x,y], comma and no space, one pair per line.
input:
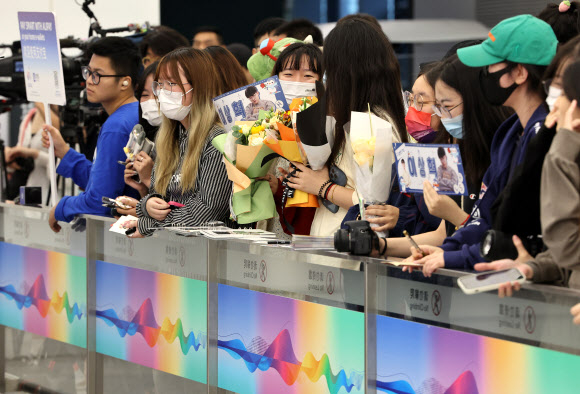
[210,199]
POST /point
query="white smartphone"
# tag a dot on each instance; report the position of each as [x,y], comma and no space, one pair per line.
[487,281]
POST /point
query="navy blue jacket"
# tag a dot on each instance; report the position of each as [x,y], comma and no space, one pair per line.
[462,248]
[104,176]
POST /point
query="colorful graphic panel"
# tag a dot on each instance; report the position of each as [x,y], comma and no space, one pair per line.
[417,358]
[271,344]
[43,293]
[152,319]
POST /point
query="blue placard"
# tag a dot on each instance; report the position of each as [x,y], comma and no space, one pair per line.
[440,164]
[42,63]
[236,106]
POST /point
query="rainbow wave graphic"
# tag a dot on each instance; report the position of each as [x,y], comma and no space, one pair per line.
[272,344]
[465,384]
[433,359]
[280,356]
[145,324]
[44,293]
[129,303]
[38,297]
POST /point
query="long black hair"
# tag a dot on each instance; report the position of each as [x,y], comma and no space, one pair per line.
[291,58]
[566,25]
[480,119]
[361,69]
[568,51]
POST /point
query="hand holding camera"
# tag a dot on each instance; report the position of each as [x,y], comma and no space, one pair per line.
[358,238]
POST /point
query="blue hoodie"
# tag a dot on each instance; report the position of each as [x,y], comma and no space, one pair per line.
[104,176]
[462,248]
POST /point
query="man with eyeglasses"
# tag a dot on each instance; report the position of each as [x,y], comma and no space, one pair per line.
[110,79]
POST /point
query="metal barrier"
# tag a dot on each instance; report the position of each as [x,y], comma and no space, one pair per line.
[97,312]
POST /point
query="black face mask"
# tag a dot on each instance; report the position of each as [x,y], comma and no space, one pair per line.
[492,91]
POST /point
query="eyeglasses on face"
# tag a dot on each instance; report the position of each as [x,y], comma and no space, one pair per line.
[170,89]
[95,76]
[442,111]
[416,101]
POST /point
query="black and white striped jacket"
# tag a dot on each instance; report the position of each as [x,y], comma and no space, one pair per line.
[209,201]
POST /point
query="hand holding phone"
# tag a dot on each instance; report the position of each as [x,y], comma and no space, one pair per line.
[491,280]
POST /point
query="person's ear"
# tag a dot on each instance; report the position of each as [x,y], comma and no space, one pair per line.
[126,83]
[520,74]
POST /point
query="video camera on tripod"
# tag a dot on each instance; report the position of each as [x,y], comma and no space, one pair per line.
[80,120]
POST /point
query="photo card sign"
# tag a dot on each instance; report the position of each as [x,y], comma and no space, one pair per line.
[245,103]
[439,164]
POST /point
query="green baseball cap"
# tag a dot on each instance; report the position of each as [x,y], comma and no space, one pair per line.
[521,39]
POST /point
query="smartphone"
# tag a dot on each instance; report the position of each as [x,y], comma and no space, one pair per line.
[175,205]
[487,281]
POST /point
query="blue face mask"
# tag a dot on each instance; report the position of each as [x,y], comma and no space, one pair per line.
[454,126]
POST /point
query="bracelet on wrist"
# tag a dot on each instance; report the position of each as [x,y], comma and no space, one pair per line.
[322,188]
[463,223]
[330,186]
[332,195]
[384,250]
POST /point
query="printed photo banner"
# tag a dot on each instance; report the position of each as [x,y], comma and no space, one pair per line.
[272,344]
[415,358]
[245,103]
[44,293]
[152,319]
[440,165]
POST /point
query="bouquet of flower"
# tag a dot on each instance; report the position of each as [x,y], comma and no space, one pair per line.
[370,139]
[288,146]
[247,157]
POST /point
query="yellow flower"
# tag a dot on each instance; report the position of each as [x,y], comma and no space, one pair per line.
[255,140]
[255,130]
[364,151]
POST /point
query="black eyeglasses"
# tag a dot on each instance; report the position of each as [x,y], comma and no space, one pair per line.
[95,76]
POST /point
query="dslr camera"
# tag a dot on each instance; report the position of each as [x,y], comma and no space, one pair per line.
[497,245]
[358,238]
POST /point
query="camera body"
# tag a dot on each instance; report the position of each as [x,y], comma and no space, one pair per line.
[497,245]
[358,238]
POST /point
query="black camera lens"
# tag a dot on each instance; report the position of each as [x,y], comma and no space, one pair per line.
[342,240]
[497,245]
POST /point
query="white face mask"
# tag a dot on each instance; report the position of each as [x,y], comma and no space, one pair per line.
[172,107]
[553,94]
[294,90]
[151,112]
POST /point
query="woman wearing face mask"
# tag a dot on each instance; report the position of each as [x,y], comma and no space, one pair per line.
[480,120]
[471,122]
[188,169]
[514,58]
[361,69]
[517,208]
[150,119]
[423,124]
[298,67]
[560,263]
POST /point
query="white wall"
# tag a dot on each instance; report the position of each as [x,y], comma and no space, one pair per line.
[71,20]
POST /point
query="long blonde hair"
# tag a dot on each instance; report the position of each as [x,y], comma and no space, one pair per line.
[199,69]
